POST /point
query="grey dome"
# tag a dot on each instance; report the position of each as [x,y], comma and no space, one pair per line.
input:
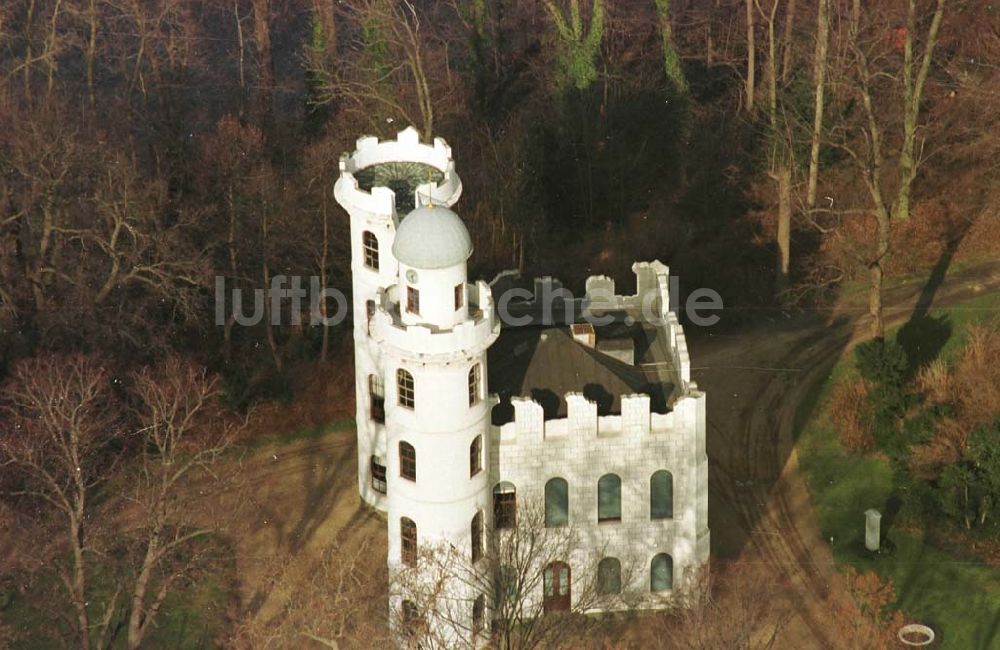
[432,237]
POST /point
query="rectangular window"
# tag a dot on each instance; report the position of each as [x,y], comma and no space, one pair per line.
[412,300]
[378,475]
[475,381]
[370,311]
[404,386]
[369,243]
[376,394]
[504,509]
[459,296]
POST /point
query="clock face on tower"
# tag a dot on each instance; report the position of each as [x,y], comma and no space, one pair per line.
[411,276]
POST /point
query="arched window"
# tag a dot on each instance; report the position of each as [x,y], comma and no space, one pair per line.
[412,621]
[556,581]
[378,474]
[556,503]
[476,456]
[506,587]
[504,505]
[477,537]
[369,243]
[609,576]
[408,541]
[609,498]
[459,296]
[661,495]
[376,398]
[405,388]
[407,461]
[475,383]
[661,573]
[478,615]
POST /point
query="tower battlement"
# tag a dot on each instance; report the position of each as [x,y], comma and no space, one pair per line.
[477,332]
[405,149]
[636,423]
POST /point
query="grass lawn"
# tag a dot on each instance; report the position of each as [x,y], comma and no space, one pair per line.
[959,597]
[191,618]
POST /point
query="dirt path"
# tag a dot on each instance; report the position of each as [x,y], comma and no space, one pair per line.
[758,381]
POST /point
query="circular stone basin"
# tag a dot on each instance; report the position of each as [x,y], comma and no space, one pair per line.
[403,178]
[915,635]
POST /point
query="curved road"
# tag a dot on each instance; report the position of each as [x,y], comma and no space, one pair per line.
[760,381]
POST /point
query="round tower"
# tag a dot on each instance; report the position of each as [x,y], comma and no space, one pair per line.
[379,182]
[433,330]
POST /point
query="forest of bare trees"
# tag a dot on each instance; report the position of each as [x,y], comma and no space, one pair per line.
[773,150]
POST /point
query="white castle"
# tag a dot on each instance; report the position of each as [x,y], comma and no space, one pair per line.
[461,417]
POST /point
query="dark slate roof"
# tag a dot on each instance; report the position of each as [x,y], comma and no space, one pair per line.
[545,362]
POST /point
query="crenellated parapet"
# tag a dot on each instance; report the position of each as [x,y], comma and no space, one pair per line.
[637,421]
[474,334]
[405,148]
[548,302]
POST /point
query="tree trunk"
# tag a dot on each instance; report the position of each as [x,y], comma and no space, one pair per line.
[913,90]
[751,57]
[265,62]
[671,59]
[786,59]
[784,179]
[323,351]
[877,271]
[80,579]
[91,52]
[136,619]
[819,74]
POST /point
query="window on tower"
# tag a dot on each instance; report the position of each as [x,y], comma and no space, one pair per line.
[477,537]
[378,475]
[412,300]
[376,398]
[404,386]
[369,243]
[476,456]
[408,541]
[478,615]
[407,461]
[475,383]
[504,505]
[459,296]
[369,311]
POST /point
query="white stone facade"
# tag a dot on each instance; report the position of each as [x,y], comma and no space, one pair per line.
[440,341]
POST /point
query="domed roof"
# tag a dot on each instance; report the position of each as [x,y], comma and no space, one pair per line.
[432,237]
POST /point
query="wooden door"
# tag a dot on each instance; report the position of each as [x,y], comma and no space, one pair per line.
[557,587]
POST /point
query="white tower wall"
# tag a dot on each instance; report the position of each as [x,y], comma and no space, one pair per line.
[375,212]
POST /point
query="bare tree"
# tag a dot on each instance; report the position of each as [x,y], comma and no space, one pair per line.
[913,93]
[60,426]
[511,576]
[390,67]
[866,143]
[750,82]
[182,434]
[819,80]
